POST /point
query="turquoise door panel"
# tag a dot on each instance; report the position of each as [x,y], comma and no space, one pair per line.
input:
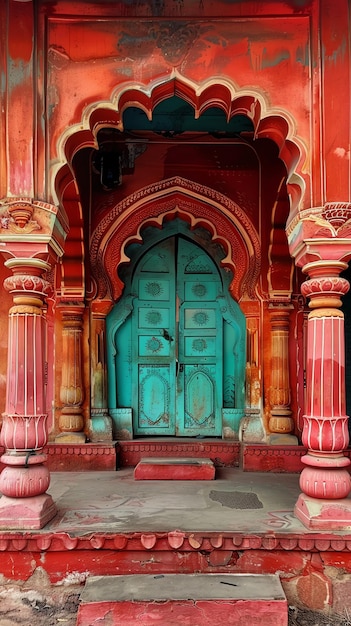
[155,408]
[199,399]
[199,390]
[176,356]
[200,409]
[153,343]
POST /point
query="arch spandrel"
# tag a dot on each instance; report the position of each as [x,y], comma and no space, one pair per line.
[216,92]
[196,204]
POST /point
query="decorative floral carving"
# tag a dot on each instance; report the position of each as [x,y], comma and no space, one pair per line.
[17,218]
[199,290]
[154,345]
[25,282]
[337,213]
[24,432]
[175,39]
[199,345]
[325,434]
[245,268]
[325,285]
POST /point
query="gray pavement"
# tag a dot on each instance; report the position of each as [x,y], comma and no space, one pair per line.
[114,502]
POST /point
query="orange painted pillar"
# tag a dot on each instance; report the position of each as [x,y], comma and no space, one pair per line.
[281,423]
[71,422]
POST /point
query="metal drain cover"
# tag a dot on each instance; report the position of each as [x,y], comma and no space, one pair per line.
[237,499]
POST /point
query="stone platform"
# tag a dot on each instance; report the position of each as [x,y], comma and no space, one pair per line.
[221,452]
[173,599]
[161,468]
[243,522]
[110,456]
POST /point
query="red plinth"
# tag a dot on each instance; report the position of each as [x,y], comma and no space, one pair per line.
[26,513]
[78,457]
[264,458]
[174,469]
[223,453]
[324,514]
[171,600]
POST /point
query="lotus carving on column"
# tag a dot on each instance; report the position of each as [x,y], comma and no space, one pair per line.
[338,214]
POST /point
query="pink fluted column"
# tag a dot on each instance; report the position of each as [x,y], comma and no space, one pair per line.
[25,479]
[325,481]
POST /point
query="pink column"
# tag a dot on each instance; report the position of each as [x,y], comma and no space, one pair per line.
[325,481]
[320,241]
[25,479]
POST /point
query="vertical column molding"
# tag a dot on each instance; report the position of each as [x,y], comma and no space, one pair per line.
[71,421]
[100,422]
[32,236]
[325,430]
[25,478]
[320,242]
[280,422]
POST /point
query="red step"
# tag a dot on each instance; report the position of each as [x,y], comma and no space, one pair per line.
[160,468]
[173,599]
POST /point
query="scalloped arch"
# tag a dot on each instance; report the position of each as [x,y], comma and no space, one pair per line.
[274,124]
[195,204]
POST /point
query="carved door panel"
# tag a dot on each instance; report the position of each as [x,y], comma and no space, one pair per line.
[177,342]
[199,379]
[154,344]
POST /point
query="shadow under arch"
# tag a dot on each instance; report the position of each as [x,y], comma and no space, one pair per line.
[268,122]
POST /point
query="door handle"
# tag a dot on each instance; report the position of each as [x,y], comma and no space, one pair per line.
[179,367]
[166,335]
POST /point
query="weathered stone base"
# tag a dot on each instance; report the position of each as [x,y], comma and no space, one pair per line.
[324,514]
[173,599]
[26,513]
[70,438]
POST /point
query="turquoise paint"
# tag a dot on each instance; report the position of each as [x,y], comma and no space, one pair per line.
[176,116]
[269,61]
[158,363]
[303,55]
[18,73]
[338,53]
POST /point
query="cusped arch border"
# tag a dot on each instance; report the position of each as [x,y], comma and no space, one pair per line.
[268,122]
[196,204]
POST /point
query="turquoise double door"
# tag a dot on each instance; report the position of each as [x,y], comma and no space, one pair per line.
[176,351]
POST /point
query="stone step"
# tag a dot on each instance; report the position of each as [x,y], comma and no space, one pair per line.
[174,468]
[173,599]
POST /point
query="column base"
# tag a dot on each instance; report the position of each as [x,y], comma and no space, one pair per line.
[26,513]
[317,514]
[100,428]
[282,439]
[70,437]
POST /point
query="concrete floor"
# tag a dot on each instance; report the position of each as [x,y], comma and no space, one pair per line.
[113,501]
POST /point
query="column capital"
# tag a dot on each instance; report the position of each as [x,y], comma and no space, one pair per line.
[32,228]
[70,307]
[321,234]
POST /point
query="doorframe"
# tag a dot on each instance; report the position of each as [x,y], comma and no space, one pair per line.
[230,310]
